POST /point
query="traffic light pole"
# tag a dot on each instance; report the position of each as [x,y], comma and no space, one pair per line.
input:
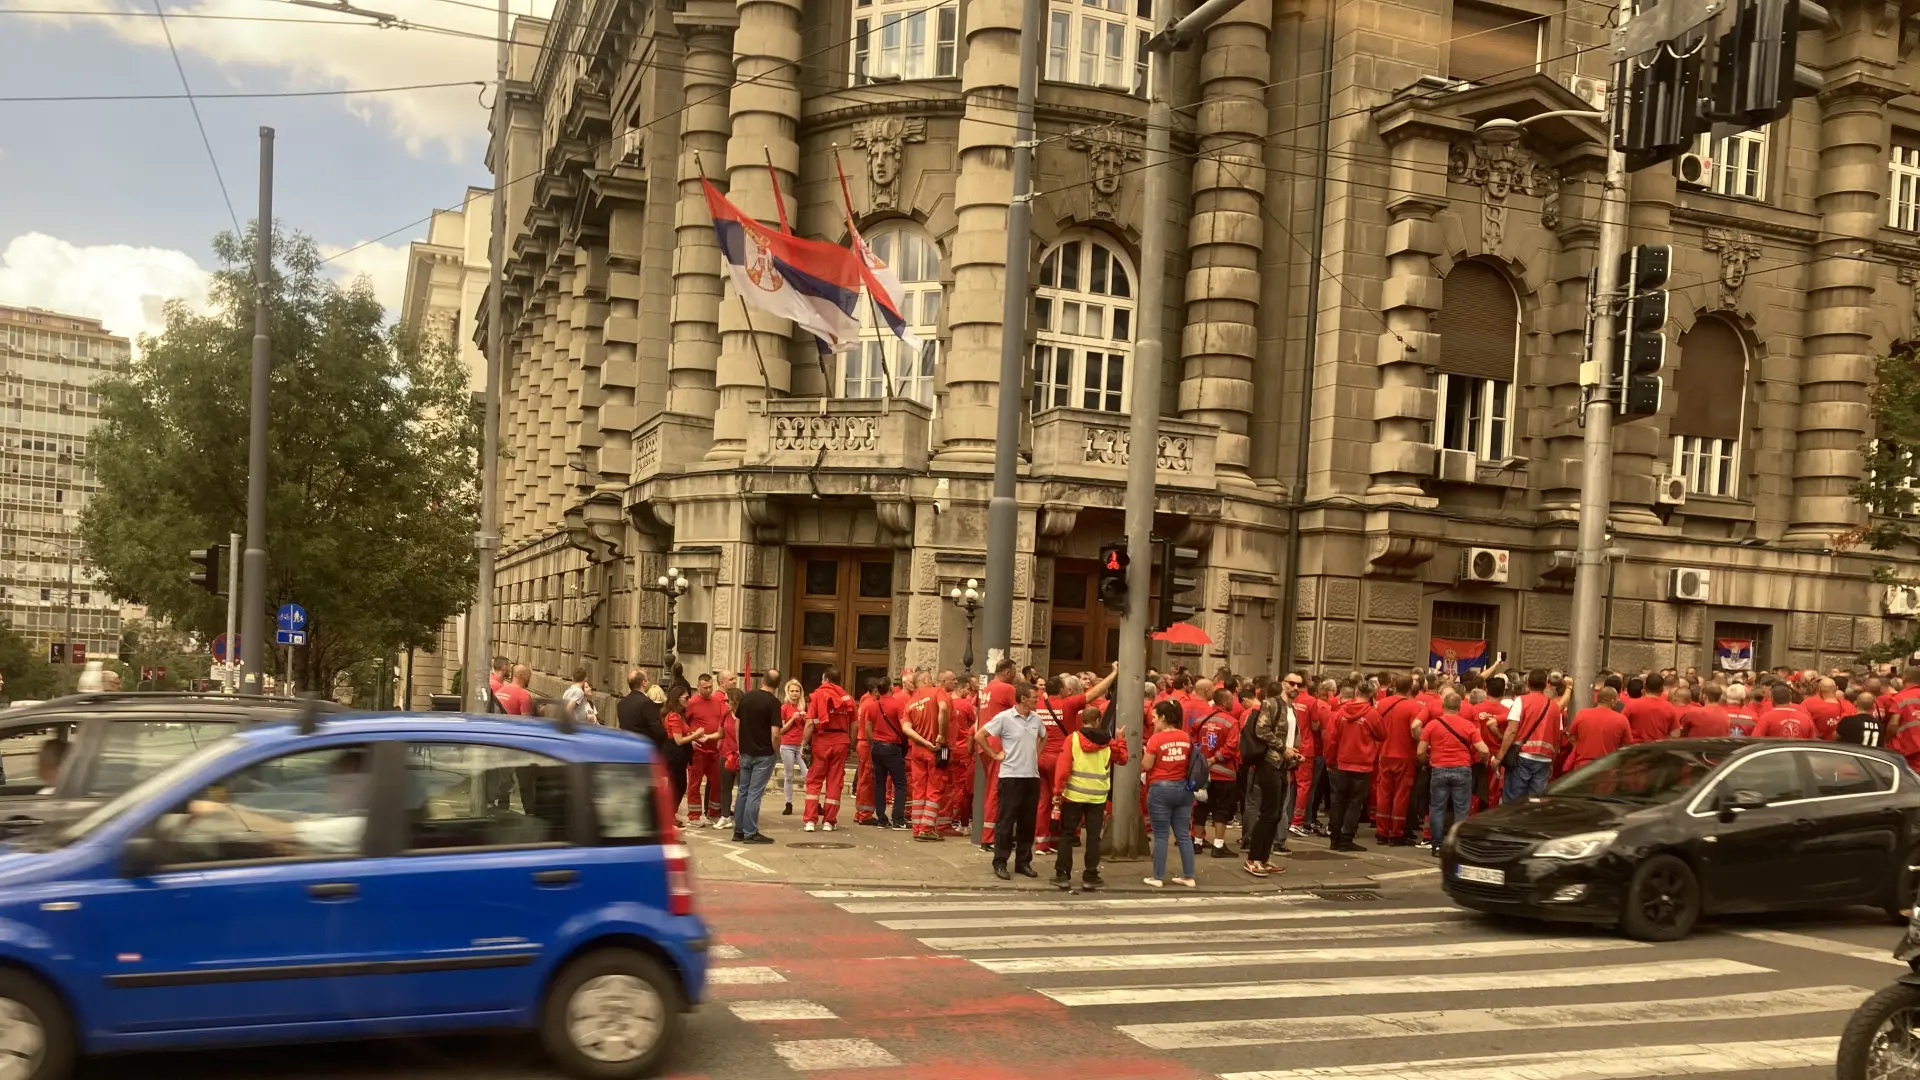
[1596,377]
[253,569]
[479,660]
[233,601]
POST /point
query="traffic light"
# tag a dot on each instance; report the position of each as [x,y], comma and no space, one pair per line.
[1757,72]
[1179,575]
[208,576]
[1640,338]
[1113,577]
[1659,113]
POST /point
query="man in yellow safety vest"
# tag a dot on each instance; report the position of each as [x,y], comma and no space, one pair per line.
[1083,778]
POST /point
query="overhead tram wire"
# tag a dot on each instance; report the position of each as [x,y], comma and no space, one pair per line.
[238,232]
[240,95]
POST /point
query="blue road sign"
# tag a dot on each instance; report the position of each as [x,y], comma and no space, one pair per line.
[291,617]
[290,637]
[224,651]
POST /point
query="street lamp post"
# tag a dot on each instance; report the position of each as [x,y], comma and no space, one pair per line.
[673,585]
[968,600]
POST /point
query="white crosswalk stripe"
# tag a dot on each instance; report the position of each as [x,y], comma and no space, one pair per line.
[1331,991]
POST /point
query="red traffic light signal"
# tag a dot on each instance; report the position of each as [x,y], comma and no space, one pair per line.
[1113,577]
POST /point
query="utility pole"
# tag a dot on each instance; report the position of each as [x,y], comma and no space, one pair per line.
[253,601]
[227,681]
[1143,424]
[487,540]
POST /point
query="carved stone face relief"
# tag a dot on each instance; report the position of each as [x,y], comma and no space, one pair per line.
[884,138]
[1502,170]
[1108,152]
[1736,249]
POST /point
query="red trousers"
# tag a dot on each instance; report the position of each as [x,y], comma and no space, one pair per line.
[863,784]
[826,779]
[993,802]
[705,765]
[1302,791]
[1043,828]
[925,783]
[1392,787]
[956,802]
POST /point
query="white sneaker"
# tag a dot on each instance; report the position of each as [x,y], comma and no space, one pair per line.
[724,823]
[1184,882]
[808,828]
[826,826]
[1155,882]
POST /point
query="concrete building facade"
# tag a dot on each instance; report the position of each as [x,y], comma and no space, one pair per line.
[49,363]
[1415,293]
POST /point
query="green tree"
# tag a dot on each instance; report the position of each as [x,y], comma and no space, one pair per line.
[1890,486]
[147,644]
[29,676]
[372,484]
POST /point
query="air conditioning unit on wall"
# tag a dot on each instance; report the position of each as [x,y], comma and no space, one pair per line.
[1456,466]
[1673,490]
[1486,566]
[1687,585]
[1902,601]
[1693,171]
[1589,89]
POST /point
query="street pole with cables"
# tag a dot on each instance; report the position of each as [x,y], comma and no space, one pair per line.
[487,541]
[253,570]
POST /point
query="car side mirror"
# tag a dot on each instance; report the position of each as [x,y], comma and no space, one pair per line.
[1733,803]
[141,857]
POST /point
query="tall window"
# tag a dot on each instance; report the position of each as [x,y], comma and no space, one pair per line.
[1490,44]
[1739,163]
[1478,326]
[901,39]
[1100,43]
[1083,310]
[1903,209]
[1711,387]
[883,366]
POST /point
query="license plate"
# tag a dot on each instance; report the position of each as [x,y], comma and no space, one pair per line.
[1480,874]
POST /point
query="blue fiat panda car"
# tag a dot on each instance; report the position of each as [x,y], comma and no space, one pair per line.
[332,877]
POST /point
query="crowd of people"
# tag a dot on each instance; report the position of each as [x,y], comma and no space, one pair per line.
[1297,755]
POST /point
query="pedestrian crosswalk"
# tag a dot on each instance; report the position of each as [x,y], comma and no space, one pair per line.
[1288,987]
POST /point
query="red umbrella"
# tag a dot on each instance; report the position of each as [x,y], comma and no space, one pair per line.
[1184,633]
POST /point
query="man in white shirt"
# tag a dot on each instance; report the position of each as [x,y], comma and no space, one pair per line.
[578,707]
[1021,733]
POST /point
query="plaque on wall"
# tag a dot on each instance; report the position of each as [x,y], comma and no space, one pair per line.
[690,639]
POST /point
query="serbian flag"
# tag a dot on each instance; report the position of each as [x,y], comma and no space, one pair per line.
[1456,658]
[813,283]
[883,285]
[1734,654]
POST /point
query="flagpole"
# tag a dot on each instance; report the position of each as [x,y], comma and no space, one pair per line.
[766,383]
[891,390]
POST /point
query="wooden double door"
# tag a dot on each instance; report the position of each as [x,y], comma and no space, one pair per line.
[843,614]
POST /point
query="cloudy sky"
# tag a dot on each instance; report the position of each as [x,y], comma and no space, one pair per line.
[110,207]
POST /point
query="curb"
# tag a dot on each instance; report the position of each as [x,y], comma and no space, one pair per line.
[996,885]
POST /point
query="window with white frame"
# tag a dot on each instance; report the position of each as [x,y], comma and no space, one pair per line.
[883,366]
[1478,328]
[1710,466]
[902,39]
[1710,395]
[1100,43]
[1895,468]
[1739,162]
[1903,208]
[1083,315]
[1474,415]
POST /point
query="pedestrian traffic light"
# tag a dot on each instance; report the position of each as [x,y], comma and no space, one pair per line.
[1640,338]
[1113,577]
[1758,75]
[1179,576]
[208,576]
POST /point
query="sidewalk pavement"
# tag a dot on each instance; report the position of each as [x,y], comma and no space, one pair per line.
[868,857]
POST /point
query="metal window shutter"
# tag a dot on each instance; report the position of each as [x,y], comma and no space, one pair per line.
[1479,323]
[1492,44]
[1711,385]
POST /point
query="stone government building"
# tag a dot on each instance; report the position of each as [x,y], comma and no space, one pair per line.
[824,506]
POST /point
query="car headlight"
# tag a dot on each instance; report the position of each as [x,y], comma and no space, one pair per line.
[1579,846]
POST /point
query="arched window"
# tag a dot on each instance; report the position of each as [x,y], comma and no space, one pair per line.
[1711,388]
[1100,43]
[901,39]
[883,366]
[1083,314]
[1479,328]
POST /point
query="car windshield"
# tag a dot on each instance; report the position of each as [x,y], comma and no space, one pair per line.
[140,793]
[1651,774]
[136,749]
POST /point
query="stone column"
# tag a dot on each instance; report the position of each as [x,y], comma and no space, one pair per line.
[1221,336]
[765,119]
[1838,342]
[616,367]
[694,354]
[1404,404]
[990,81]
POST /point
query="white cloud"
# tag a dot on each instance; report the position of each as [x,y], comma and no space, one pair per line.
[383,265]
[122,286]
[314,55]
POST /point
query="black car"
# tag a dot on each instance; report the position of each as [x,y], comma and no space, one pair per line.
[109,742]
[1654,836]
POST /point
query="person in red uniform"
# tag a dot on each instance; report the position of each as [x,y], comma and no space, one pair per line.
[1650,715]
[1599,729]
[830,713]
[1704,721]
[1449,744]
[1534,727]
[1825,708]
[1741,718]
[1354,734]
[1785,720]
[1487,712]
[1217,738]
[793,725]
[956,805]
[1393,778]
[864,720]
[925,726]
[681,734]
[707,714]
[1310,716]
[1901,718]
[1059,712]
[1000,697]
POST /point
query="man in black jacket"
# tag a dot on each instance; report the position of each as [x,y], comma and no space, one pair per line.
[639,713]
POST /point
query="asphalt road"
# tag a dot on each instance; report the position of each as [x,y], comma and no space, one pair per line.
[915,985]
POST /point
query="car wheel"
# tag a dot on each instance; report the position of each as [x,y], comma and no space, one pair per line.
[612,1014]
[1882,1039]
[1663,901]
[36,1035]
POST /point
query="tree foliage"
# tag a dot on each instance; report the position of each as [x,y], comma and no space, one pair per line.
[372,487]
[29,676]
[1890,485]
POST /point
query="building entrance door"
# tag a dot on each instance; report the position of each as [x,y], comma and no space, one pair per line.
[1085,636]
[842,615]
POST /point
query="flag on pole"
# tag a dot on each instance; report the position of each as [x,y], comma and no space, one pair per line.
[813,283]
[883,285]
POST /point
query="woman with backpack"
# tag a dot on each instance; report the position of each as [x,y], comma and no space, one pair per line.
[1168,767]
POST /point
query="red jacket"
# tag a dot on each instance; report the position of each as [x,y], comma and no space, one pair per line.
[1061,717]
[1826,715]
[1356,732]
[1704,722]
[1597,731]
[1785,722]
[1903,723]
[1309,714]
[1400,714]
[1650,718]
[831,709]
[1063,766]
[1217,736]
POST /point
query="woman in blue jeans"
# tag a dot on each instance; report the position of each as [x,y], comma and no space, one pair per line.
[1169,803]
